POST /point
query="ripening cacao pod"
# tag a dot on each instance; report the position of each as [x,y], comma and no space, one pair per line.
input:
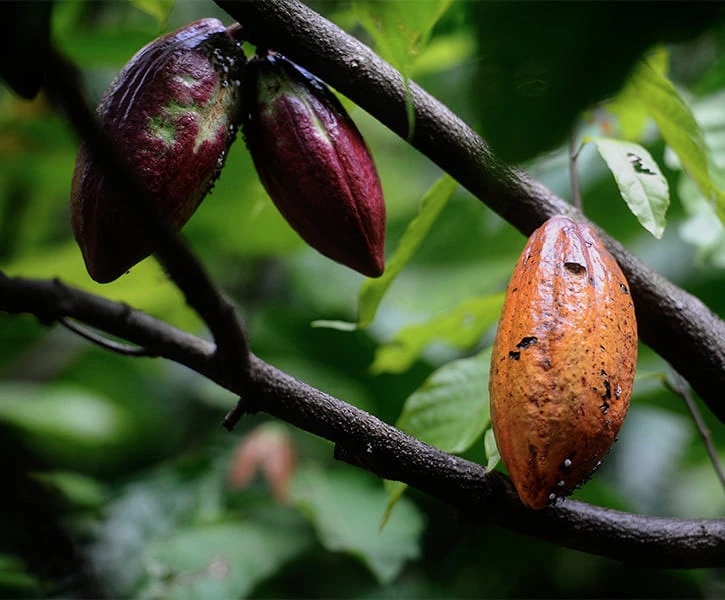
[314,163]
[563,361]
[172,112]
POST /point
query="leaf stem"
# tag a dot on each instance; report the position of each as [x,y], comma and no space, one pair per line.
[681,388]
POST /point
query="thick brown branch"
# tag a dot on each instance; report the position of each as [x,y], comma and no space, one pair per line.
[674,323]
[369,443]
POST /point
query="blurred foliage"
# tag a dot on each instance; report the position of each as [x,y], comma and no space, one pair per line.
[117,479]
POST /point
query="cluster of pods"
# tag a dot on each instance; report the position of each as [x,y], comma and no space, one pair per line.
[174,110]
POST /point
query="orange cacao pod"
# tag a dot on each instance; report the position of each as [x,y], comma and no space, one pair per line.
[563,361]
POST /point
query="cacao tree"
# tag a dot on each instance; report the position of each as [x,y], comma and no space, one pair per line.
[240,411]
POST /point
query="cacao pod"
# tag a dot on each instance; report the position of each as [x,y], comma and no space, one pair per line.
[173,112]
[563,361]
[314,163]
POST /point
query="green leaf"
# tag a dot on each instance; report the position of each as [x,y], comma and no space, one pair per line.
[631,115]
[224,559]
[640,181]
[680,130]
[158,9]
[401,30]
[65,424]
[451,409]
[491,449]
[17,580]
[461,327]
[345,509]
[78,489]
[395,491]
[373,290]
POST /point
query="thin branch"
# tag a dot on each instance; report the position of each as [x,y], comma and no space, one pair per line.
[367,442]
[680,387]
[677,325]
[576,190]
[187,272]
[103,342]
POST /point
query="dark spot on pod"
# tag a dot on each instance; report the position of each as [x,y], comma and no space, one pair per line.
[607,390]
[514,355]
[624,288]
[527,341]
[575,268]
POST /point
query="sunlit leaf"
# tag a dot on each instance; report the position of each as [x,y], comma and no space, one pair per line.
[680,130]
[451,409]
[373,290]
[462,327]
[400,29]
[631,114]
[640,181]
[158,9]
[146,286]
[491,448]
[345,508]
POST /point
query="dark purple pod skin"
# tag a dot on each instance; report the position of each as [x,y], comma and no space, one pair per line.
[173,112]
[314,163]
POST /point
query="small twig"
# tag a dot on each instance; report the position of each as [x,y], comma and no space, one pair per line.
[231,419]
[680,387]
[103,342]
[576,191]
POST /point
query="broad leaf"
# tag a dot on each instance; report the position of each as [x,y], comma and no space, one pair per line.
[401,30]
[632,116]
[680,130]
[640,181]
[64,423]
[451,409]
[461,327]
[222,560]
[345,508]
[372,291]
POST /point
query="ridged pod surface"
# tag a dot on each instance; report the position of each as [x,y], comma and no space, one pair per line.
[314,163]
[563,361]
[172,112]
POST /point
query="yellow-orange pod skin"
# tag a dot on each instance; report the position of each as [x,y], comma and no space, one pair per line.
[563,361]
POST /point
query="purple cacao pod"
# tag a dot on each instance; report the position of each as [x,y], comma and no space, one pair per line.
[173,112]
[314,163]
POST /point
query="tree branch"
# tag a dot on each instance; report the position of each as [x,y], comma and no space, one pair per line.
[366,441]
[675,324]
